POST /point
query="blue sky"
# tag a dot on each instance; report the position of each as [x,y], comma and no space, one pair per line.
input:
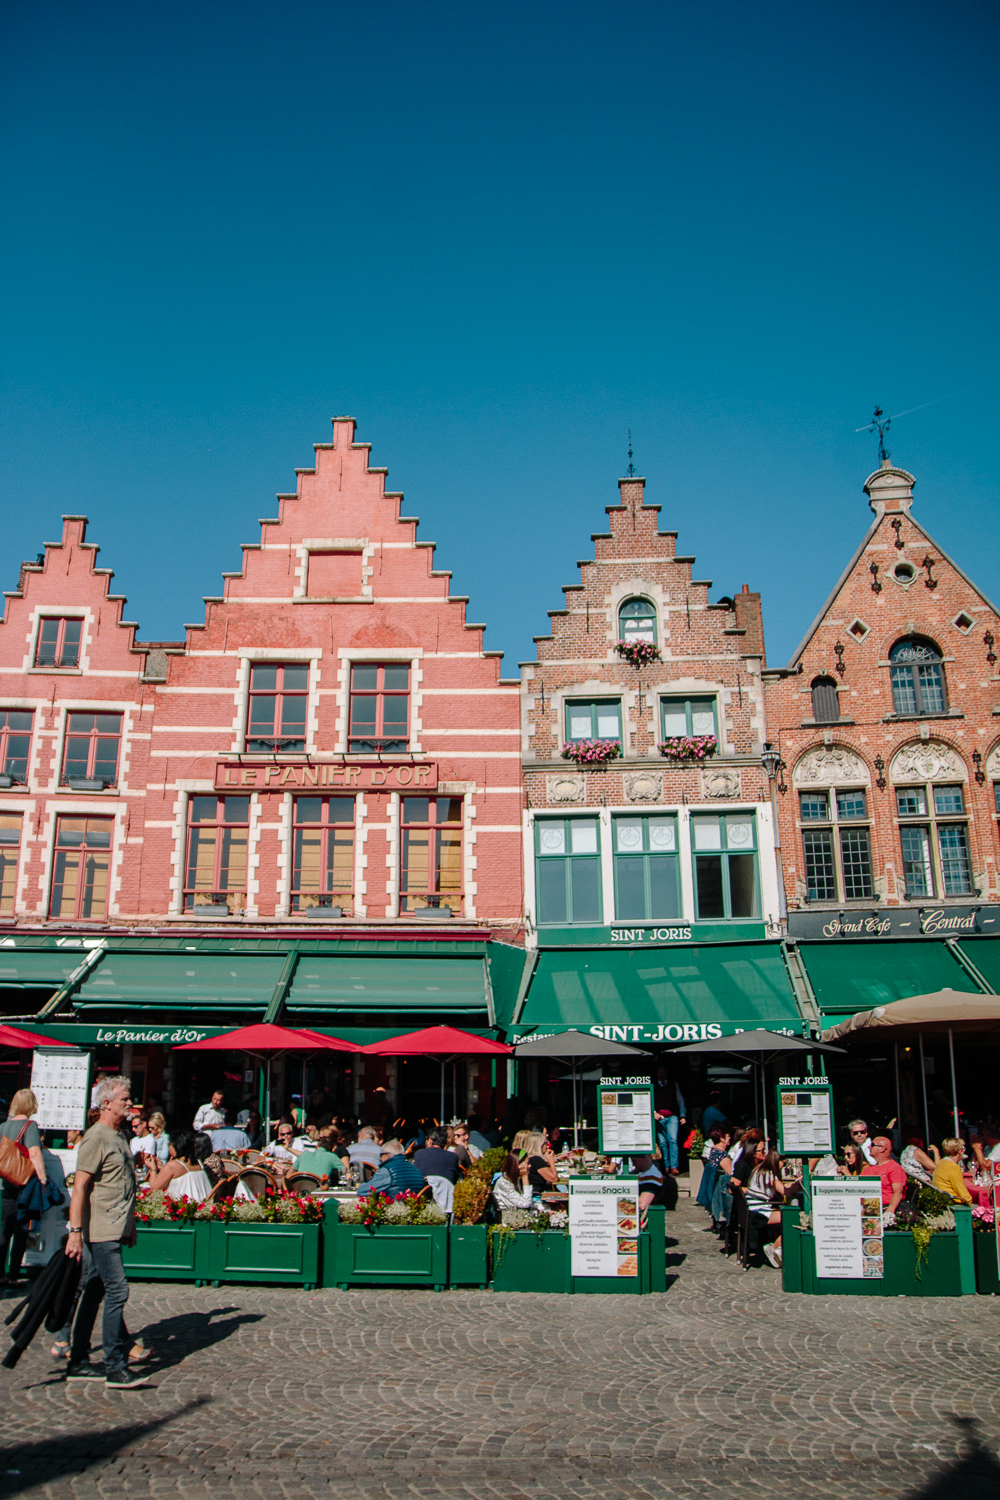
[498,237]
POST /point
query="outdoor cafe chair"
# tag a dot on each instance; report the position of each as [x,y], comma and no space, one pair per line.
[222,1191]
[443,1191]
[254,1180]
[302,1182]
[741,1216]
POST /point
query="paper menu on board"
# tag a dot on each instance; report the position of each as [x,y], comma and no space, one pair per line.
[847,1225]
[626,1120]
[604,1228]
[805,1120]
[60,1081]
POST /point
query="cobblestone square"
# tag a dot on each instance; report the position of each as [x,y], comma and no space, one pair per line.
[722,1386]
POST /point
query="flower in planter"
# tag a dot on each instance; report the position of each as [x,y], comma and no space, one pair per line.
[151,1207]
[983,1220]
[638,653]
[688,747]
[592,752]
[248,1213]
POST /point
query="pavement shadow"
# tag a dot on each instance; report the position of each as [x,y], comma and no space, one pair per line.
[70,1454]
[975,1475]
[173,1339]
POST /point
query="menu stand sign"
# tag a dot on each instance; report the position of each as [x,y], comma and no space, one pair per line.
[625,1116]
[805,1117]
[847,1225]
[996,1209]
[60,1081]
[604,1227]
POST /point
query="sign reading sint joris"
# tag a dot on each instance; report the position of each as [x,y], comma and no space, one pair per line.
[393,776]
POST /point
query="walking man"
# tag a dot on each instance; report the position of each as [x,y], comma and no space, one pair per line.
[102,1215]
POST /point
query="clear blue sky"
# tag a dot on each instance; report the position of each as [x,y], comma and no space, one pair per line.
[498,236]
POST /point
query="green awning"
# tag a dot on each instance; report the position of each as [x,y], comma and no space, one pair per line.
[45,969]
[354,983]
[662,994]
[193,981]
[848,977]
[985,954]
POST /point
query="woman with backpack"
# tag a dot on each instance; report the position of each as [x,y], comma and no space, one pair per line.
[20,1129]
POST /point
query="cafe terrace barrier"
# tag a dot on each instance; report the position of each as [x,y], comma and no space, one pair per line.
[949,1269]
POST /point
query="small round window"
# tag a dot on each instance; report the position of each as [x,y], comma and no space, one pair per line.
[904,573]
[637,621]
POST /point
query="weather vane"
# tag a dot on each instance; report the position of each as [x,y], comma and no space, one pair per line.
[631,465]
[880,424]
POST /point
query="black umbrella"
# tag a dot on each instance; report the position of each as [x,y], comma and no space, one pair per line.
[752,1047]
[567,1047]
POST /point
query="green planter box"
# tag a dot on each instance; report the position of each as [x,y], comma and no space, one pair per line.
[387,1255]
[467,1255]
[530,1262]
[987,1277]
[166,1251]
[947,1271]
[277,1254]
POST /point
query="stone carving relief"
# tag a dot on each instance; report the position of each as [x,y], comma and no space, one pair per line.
[929,761]
[993,763]
[566,788]
[832,765]
[646,786]
[719,783]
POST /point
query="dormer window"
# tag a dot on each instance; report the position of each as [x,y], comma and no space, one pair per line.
[917,678]
[58,643]
[825,703]
[637,621]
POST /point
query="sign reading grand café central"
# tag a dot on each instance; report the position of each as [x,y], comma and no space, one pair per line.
[392,776]
[912,921]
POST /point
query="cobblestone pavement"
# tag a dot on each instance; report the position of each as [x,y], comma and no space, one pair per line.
[723,1386]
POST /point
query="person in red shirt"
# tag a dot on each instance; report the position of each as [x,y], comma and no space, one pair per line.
[892,1174]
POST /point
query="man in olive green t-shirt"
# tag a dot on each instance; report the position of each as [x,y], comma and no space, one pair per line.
[102,1212]
[320,1162]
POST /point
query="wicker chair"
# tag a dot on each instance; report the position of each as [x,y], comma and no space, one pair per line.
[231,1165]
[251,1156]
[254,1180]
[302,1183]
[222,1191]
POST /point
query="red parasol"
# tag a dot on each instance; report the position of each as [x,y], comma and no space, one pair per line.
[9,1037]
[264,1039]
[442,1042]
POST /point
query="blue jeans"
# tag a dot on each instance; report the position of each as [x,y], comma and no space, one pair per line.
[106,1279]
[667,1132]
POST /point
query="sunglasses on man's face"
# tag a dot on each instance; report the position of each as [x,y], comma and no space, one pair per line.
[857,1132]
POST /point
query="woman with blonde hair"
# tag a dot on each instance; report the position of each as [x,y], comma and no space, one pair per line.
[541,1161]
[159,1141]
[21,1128]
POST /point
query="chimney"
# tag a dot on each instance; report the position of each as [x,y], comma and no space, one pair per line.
[749,617]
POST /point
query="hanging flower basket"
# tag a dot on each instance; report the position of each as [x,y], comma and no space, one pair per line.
[689,748]
[592,752]
[638,653]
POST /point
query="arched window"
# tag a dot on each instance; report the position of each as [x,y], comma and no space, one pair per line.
[917,677]
[825,703]
[637,621]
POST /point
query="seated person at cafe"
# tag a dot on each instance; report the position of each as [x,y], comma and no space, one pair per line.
[542,1172]
[321,1162]
[183,1175]
[476,1137]
[433,1160]
[512,1188]
[892,1174]
[396,1174]
[281,1148]
[458,1144]
[230,1137]
[366,1151]
[652,1187]
[986,1149]
[947,1176]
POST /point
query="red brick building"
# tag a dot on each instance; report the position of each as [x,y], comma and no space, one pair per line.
[331,752]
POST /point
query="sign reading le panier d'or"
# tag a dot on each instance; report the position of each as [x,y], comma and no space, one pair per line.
[393,776]
[625,1116]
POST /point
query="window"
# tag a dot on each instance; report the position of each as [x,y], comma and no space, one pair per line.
[380,707]
[91,752]
[10,844]
[216,868]
[80,874]
[432,855]
[647,883]
[15,742]
[838,859]
[687,716]
[323,856]
[917,678]
[825,703]
[637,621]
[279,696]
[725,866]
[593,719]
[567,871]
[920,841]
[58,643]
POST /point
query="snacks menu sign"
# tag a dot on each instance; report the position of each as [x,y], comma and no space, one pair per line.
[60,1081]
[625,1116]
[604,1228]
[805,1117]
[847,1224]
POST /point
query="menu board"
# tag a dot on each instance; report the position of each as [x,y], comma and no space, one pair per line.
[996,1209]
[805,1118]
[60,1081]
[625,1116]
[847,1224]
[604,1227]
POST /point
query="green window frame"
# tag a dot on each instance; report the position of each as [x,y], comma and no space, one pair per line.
[637,621]
[687,716]
[568,872]
[647,868]
[724,851]
[593,719]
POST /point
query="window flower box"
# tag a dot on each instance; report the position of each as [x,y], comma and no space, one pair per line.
[688,749]
[592,752]
[638,653]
